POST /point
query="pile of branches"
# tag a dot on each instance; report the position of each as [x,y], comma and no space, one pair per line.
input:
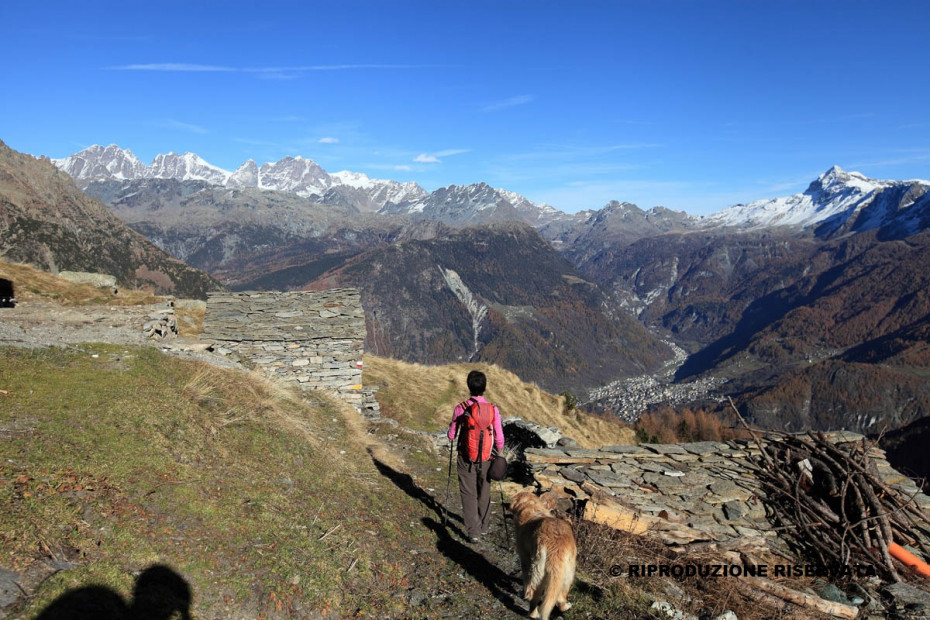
[836,506]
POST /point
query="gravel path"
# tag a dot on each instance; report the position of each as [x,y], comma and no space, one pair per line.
[41,323]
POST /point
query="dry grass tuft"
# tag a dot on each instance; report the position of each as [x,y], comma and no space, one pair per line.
[422,397]
[31,283]
[256,399]
[605,556]
[190,315]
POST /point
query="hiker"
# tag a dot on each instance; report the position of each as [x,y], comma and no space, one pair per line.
[478,425]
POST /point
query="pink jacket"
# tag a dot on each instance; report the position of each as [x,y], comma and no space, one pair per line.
[498,429]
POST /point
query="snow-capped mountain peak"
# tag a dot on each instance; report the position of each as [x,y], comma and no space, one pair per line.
[293,174]
[838,180]
[463,205]
[352,179]
[102,162]
[186,167]
[833,192]
[245,175]
[836,196]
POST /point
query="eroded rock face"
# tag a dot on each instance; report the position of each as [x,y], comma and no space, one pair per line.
[94,279]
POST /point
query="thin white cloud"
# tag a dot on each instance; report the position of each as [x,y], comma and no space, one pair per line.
[451,152]
[306,68]
[560,152]
[434,158]
[173,66]
[403,168]
[269,145]
[328,140]
[913,156]
[508,103]
[283,73]
[173,124]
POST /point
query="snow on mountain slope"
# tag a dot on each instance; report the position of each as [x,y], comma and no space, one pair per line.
[186,167]
[102,163]
[381,191]
[296,175]
[245,176]
[464,205]
[837,202]
[834,193]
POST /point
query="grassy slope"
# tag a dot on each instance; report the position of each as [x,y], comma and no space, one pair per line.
[268,504]
[115,459]
[422,397]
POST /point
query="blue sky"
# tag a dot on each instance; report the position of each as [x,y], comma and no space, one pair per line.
[691,105]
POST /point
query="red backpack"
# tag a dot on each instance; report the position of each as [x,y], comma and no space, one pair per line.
[478,439]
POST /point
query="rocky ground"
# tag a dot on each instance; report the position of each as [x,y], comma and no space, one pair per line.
[42,323]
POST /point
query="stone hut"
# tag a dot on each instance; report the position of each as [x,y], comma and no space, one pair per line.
[313,338]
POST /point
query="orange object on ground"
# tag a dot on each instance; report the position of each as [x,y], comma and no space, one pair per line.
[918,565]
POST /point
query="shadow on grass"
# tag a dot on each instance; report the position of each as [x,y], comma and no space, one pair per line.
[405,483]
[501,585]
[159,593]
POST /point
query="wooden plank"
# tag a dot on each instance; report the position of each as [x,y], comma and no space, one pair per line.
[630,520]
[800,598]
[617,516]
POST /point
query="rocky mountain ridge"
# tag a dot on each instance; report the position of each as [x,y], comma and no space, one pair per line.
[45,220]
[837,202]
[498,294]
[296,175]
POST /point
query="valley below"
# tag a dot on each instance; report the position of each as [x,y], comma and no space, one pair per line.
[631,397]
[810,311]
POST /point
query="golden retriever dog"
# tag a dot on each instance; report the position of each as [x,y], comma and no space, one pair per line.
[546,546]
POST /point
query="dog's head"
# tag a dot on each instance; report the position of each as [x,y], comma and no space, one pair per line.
[527,505]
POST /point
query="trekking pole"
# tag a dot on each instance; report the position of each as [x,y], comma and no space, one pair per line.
[503,514]
[445,507]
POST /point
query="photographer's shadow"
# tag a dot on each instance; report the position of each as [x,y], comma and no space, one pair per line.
[159,594]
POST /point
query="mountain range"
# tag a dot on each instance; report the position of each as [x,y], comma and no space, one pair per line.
[46,221]
[836,202]
[803,303]
[293,175]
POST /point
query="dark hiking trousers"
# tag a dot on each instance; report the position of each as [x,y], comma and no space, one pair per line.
[476,495]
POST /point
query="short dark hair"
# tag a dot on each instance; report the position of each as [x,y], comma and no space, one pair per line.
[476,382]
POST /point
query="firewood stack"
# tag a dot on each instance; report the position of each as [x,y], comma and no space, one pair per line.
[834,505]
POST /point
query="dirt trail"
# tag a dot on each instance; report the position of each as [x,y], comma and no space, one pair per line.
[43,323]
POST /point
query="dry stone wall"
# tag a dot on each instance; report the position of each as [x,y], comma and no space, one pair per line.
[689,492]
[313,338]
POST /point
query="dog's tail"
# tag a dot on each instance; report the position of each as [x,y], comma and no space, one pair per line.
[558,580]
[538,575]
